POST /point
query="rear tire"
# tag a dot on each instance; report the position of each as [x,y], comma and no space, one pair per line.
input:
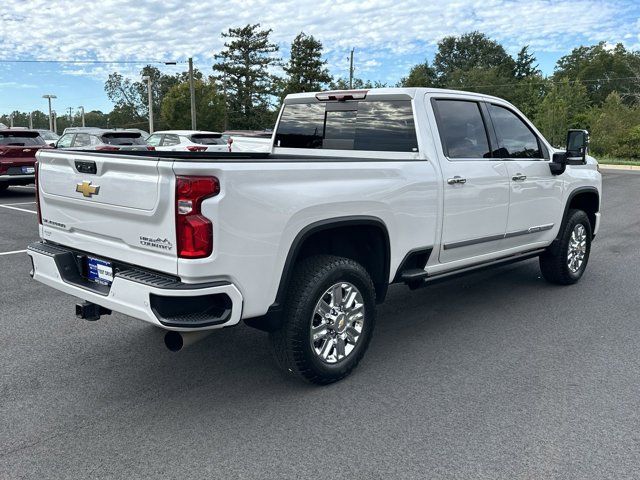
[329,317]
[3,187]
[565,261]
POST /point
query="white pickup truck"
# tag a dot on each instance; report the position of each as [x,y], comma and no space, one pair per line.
[360,190]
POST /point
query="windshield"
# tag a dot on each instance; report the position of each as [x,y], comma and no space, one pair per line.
[21,139]
[129,138]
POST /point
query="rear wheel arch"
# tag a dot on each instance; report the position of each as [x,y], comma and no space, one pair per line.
[364,239]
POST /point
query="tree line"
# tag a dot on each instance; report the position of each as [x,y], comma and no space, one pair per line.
[595,87]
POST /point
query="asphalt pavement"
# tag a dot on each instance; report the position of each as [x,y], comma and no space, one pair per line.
[496,375]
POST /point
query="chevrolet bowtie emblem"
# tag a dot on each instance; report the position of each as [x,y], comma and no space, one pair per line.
[86,189]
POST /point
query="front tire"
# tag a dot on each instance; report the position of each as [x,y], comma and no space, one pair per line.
[329,317]
[565,261]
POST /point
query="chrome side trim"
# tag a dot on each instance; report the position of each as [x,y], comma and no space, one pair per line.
[493,238]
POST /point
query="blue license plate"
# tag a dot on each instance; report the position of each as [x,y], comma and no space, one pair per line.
[28,170]
[99,271]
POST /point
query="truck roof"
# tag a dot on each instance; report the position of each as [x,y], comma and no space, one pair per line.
[388,93]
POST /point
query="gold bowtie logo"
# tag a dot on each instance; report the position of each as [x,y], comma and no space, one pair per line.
[86,189]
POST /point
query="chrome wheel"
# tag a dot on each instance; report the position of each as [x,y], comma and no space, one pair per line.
[336,324]
[577,248]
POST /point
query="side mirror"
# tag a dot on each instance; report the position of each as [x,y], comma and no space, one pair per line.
[558,163]
[577,144]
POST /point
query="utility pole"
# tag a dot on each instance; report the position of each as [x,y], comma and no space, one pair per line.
[148,79]
[351,69]
[226,103]
[30,120]
[70,117]
[192,92]
[82,113]
[49,97]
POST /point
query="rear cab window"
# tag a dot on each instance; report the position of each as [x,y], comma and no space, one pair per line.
[364,125]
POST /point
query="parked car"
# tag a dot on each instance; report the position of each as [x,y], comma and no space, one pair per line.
[248,140]
[18,149]
[102,139]
[49,137]
[188,140]
[361,189]
[142,133]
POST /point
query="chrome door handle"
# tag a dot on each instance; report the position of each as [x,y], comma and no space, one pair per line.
[518,177]
[456,179]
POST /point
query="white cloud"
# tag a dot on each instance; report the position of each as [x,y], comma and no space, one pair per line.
[384,32]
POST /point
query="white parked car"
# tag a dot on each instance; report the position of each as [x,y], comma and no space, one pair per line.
[361,189]
[188,141]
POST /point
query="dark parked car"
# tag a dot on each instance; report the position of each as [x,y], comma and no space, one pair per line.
[18,156]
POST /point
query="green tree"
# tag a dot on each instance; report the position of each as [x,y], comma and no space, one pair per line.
[526,66]
[176,106]
[603,70]
[564,106]
[420,75]
[615,128]
[244,70]
[132,95]
[471,51]
[358,84]
[306,70]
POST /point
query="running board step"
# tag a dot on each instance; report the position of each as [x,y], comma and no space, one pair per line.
[416,278]
[413,274]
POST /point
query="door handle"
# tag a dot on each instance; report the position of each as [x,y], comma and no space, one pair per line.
[456,179]
[518,177]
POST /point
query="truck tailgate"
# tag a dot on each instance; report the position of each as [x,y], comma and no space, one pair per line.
[117,207]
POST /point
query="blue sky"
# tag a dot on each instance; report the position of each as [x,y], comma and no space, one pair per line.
[388,36]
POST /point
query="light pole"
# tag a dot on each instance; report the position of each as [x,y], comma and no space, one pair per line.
[148,79]
[192,93]
[30,120]
[49,97]
[82,113]
[55,122]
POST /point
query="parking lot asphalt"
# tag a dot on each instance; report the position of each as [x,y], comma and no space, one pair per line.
[494,375]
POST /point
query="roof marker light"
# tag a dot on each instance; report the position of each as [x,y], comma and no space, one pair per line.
[342,95]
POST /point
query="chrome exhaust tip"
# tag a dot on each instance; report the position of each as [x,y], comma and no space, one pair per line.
[176,341]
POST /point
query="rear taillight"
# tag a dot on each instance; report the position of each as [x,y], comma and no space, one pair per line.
[196,148]
[194,232]
[151,148]
[107,148]
[35,166]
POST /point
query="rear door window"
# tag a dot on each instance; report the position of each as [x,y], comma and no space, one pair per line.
[462,129]
[170,139]
[82,140]
[515,138]
[385,125]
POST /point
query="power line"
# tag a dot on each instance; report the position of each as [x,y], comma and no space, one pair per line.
[123,62]
[546,82]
